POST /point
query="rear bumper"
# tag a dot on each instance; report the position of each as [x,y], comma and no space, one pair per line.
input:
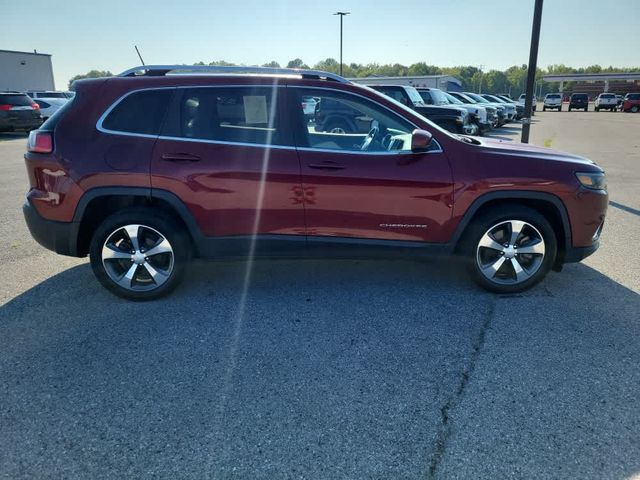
[7,125]
[60,237]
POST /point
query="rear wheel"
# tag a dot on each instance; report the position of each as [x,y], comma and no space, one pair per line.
[139,254]
[560,109]
[635,109]
[597,109]
[510,249]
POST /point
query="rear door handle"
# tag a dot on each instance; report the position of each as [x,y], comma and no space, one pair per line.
[326,166]
[180,157]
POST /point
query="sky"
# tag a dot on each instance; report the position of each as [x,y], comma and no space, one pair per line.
[83,35]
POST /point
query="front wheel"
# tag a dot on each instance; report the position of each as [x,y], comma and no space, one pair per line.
[635,109]
[139,254]
[510,249]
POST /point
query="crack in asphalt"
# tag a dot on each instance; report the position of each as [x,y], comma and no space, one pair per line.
[445,428]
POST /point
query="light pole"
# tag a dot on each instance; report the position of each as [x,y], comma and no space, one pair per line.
[341,14]
[531,70]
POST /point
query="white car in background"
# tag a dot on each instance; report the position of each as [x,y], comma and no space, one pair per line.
[607,101]
[46,94]
[49,106]
[552,100]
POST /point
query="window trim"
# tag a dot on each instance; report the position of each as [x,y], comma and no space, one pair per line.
[102,129]
[117,102]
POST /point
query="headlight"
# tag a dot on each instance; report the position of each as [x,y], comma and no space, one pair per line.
[592,180]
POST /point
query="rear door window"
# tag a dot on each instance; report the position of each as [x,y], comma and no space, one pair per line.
[227,114]
[140,112]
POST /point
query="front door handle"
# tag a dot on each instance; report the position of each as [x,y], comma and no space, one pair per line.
[180,157]
[326,166]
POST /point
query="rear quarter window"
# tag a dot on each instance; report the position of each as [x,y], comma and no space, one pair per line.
[139,112]
[17,100]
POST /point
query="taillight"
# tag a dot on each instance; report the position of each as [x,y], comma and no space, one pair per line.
[40,142]
[5,106]
[35,106]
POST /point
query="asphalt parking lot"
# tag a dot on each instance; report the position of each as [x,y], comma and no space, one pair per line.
[329,369]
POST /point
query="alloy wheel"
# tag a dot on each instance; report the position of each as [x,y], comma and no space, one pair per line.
[510,252]
[137,257]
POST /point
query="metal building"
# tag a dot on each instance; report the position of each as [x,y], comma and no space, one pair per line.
[22,71]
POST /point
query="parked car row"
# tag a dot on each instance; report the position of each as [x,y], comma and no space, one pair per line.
[26,111]
[458,112]
[604,101]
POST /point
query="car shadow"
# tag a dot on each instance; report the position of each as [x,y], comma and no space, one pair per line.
[324,368]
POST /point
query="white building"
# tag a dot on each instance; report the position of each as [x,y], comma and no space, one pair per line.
[22,71]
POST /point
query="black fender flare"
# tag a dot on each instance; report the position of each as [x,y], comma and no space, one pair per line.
[513,195]
[144,192]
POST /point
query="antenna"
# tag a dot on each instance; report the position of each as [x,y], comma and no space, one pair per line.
[139,56]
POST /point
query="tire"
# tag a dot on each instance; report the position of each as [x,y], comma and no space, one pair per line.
[496,225]
[596,109]
[560,109]
[337,126]
[586,109]
[544,109]
[569,109]
[139,276]
[635,109]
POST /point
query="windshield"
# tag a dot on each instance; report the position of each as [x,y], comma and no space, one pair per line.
[477,97]
[415,97]
[438,96]
[452,99]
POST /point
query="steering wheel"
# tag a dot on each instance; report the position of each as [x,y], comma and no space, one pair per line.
[369,138]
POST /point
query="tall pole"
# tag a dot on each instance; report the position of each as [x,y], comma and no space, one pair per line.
[341,14]
[531,72]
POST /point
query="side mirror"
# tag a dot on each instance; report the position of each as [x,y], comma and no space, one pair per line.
[420,140]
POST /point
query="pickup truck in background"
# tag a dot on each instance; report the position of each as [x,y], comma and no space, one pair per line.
[453,119]
[606,101]
[479,114]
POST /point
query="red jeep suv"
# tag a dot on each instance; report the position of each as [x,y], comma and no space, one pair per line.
[147,169]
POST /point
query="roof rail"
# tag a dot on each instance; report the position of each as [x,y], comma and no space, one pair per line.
[161,70]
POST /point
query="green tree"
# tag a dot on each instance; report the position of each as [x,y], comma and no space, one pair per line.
[328,65]
[222,63]
[91,74]
[297,63]
[272,64]
[421,68]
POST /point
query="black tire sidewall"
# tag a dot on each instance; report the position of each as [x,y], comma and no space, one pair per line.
[143,216]
[490,218]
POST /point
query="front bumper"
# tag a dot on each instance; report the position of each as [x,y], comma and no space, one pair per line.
[577,254]
[60,237]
